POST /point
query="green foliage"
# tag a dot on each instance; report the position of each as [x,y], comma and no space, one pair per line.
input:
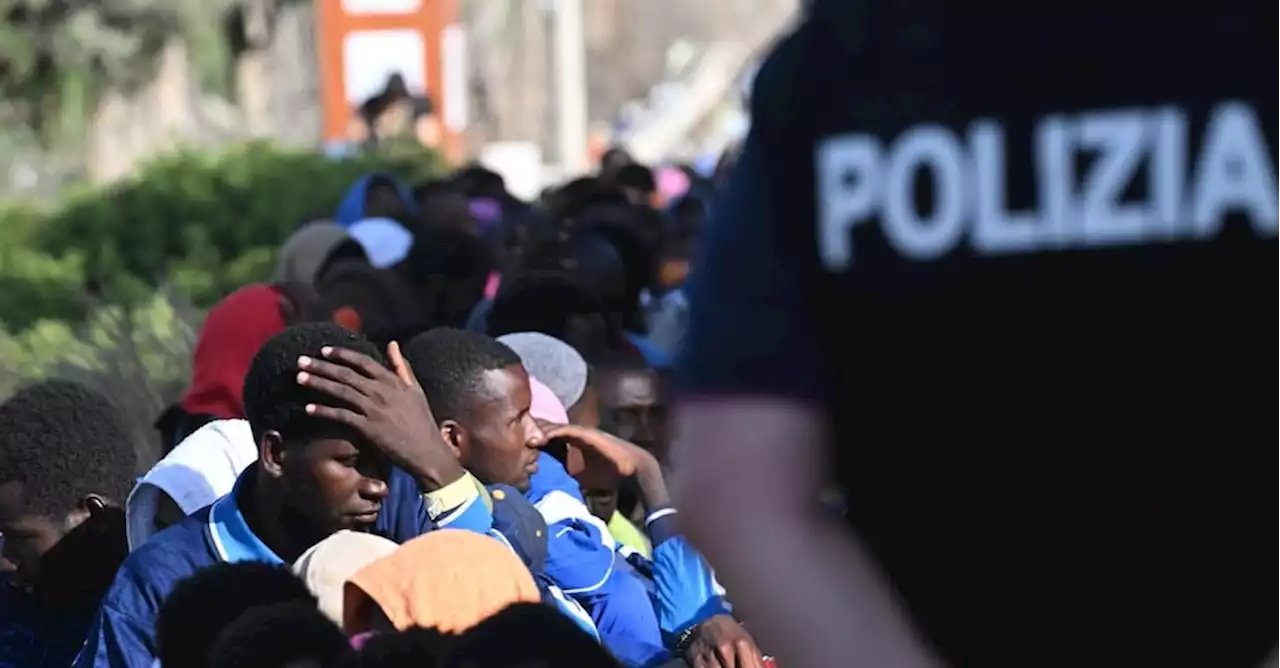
[206,224]
[51,51]
[108,285]
[141,357]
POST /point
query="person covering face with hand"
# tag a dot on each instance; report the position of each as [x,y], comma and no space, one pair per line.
[690,612]
[683,583]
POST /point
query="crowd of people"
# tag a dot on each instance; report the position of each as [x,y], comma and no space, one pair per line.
[436,438]
[980,298]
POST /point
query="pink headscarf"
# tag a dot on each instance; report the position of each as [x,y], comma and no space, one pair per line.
[545,405]
[672,183]
[491,284]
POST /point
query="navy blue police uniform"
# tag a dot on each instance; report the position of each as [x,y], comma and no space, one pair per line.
[1021,253]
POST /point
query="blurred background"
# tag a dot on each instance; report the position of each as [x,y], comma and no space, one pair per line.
[154,154]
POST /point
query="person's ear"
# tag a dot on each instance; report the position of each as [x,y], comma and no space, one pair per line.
[94,503]
[90,505]
[456,436]
[271,453]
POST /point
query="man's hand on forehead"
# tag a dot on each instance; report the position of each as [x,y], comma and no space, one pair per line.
[387,406]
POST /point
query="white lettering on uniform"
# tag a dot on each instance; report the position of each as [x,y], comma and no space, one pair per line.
[1054,174]
[850,167]
[1167,176]
[996,230]
[859,180]
[935,149]
[1233,173]
[1117,138]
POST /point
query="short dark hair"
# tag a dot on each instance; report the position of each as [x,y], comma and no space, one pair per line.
[432,187]
[448,267]
[275,635]
[64,441]
[613,159]
[544,302]
[449,364]
[636,175]
[570,199]
[625,229]
[476,180]
[539,301]
[203,605]
[528,634]
[618,359]
[386,303]
[384,198]
[273,399]
[411,647]
[688,215]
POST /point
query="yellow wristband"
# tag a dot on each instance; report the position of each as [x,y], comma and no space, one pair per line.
[452,495]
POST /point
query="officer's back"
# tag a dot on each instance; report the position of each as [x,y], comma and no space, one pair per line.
[1033,244]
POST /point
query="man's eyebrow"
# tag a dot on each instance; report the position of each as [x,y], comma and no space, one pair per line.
[521,413]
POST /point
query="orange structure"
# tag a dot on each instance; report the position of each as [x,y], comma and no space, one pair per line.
[361,42]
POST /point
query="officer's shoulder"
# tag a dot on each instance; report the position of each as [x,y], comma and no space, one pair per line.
[818,49]
[779,72]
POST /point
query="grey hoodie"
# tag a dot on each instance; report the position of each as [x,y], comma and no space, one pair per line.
[306,252]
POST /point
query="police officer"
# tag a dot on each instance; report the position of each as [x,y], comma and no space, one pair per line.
[1001,272]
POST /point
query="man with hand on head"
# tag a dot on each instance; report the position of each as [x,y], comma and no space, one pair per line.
[342,440]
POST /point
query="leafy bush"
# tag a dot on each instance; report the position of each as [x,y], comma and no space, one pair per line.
[202,223]
[140,357]
[109,285]
[209,223]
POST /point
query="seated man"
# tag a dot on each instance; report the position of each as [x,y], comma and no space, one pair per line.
[692,613]
[323,465]
[481,398]
[480,394]
[66,461]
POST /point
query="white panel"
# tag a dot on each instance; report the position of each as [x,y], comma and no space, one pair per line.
[380,6]
[453,54]
[369,57]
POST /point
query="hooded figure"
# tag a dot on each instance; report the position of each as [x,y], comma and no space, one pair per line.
[554,362]
[312,250]
[231,335]
[198,471]
[376,302]
[375,195]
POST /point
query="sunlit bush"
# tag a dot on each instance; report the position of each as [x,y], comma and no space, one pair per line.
[139,356]
[108,286]
[207,223]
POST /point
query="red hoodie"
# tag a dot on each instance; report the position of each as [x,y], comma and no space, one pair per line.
[230,337]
